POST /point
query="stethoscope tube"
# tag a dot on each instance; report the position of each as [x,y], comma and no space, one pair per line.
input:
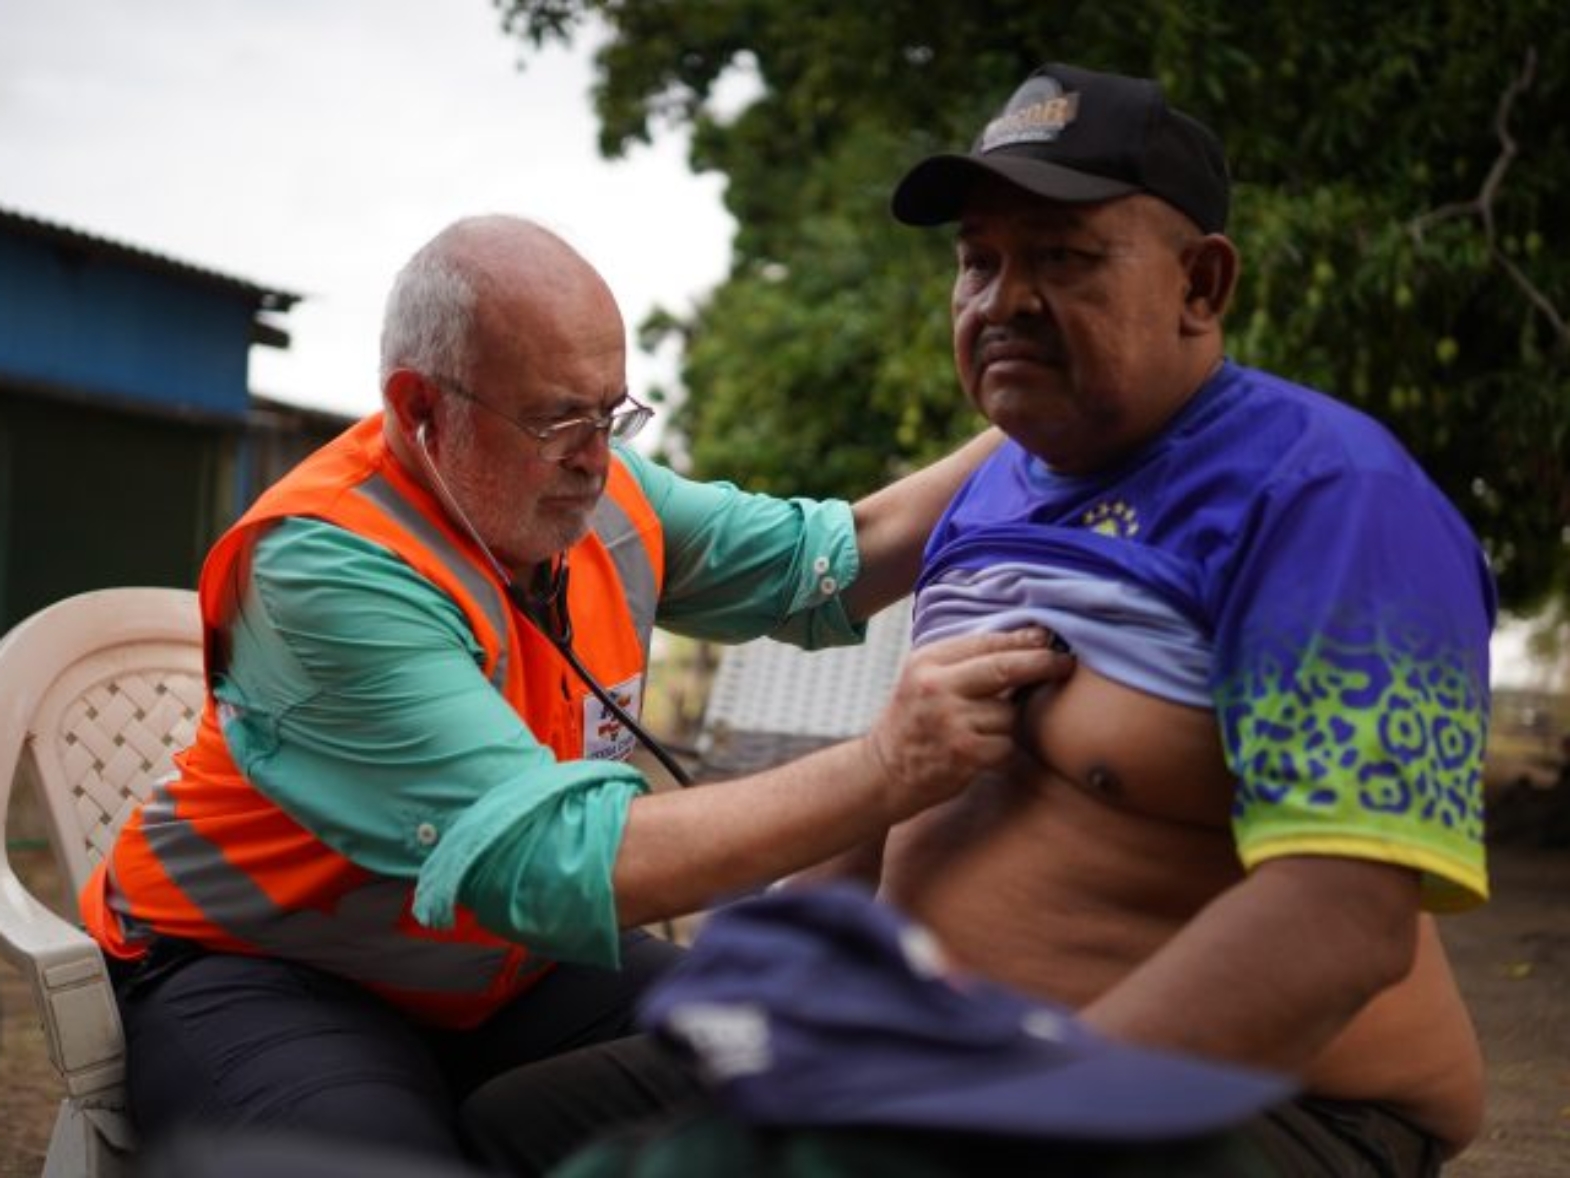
[547,612]
[641,734]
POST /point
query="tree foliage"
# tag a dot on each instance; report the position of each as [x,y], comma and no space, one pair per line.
[1401,173]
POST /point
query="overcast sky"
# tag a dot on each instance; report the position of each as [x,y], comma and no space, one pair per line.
[312,145]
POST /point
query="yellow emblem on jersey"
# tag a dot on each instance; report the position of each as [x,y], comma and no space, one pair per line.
[1114,518]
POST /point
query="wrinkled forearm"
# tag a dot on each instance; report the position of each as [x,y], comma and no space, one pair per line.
[685,849]
[862,864]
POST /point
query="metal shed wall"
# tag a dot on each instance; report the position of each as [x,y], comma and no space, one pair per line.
[76,319]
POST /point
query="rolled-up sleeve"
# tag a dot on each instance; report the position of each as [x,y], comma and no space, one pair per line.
[741,566]
[355,700]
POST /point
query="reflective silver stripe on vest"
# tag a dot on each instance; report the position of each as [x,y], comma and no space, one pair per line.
[358,939]
[382,493]
[630,555]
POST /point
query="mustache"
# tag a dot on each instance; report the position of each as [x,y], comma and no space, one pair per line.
[1021,341]
[576,484]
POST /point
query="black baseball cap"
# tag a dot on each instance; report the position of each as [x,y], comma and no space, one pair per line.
[822,1006]
[1078,136]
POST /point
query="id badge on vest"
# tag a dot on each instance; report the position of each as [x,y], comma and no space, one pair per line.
[605,738]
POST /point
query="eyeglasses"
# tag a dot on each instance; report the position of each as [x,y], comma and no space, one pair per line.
[560,440]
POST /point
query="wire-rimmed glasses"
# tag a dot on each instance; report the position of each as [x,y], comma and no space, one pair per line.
[560,440]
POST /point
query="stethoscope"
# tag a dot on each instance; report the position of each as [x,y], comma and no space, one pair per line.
[544,603]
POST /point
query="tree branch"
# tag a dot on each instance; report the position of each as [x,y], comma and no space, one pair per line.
[1482,206]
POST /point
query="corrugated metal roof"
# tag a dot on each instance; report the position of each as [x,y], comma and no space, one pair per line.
[266,298]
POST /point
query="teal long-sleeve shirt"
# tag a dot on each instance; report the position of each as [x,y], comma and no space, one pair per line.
[354,699]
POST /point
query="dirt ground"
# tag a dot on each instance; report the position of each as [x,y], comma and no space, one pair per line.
[1512,957]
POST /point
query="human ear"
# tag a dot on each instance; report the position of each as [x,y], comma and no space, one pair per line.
[410,400]
[1211,265]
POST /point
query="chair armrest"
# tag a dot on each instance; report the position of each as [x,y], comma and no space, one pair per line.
[70,989]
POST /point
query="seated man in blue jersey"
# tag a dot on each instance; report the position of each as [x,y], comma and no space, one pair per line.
[1226,831]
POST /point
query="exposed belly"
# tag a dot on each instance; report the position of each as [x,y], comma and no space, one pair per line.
[1063,874]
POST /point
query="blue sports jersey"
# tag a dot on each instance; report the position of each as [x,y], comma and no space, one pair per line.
[1289,553]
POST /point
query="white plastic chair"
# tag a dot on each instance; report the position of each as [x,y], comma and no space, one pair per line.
[97,693]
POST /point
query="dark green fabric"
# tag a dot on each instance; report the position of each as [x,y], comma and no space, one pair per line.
[711,1145]
[1311,1136]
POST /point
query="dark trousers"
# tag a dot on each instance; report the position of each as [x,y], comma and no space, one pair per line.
[1308,1138]
[1316,1138]
[232,1043]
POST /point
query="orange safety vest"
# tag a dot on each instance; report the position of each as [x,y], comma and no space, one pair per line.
[209,858]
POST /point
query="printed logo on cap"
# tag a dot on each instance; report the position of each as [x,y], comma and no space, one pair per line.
[1047,110]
